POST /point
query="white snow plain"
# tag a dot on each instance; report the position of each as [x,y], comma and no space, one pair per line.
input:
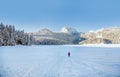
[53,61]
[102,45]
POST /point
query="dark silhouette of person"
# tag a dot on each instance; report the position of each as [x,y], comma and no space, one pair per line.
[68,54]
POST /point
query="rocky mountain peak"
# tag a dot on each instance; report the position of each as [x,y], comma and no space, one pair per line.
[68,30]
[45,31]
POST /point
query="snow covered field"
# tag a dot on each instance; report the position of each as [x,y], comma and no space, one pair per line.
[52,61]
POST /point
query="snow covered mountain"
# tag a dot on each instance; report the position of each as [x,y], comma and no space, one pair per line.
[68,30]
[107,35]
[44,31]
[66,36]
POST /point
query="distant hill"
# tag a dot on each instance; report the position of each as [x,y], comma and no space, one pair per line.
[107,36]
[66,36]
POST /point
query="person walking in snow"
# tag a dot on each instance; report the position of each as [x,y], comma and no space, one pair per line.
[68,54]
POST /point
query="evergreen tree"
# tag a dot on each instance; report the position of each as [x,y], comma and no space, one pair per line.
[10,36]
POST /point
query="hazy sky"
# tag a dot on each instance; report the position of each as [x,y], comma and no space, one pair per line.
[83,15]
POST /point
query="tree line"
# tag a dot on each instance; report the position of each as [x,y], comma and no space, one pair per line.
[10,36]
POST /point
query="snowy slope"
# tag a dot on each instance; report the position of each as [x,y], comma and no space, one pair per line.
[52,61]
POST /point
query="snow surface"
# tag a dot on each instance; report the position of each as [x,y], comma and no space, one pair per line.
[101,45]
[52,61]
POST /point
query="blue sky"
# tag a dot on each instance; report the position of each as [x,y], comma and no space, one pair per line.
[84,15]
